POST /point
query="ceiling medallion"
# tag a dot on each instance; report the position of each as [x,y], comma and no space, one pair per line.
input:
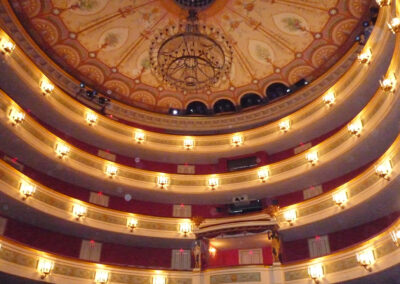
[191,56]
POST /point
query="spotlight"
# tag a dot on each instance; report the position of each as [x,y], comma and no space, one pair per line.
[82,85]
[173,111]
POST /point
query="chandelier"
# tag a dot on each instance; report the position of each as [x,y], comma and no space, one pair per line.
[190,56]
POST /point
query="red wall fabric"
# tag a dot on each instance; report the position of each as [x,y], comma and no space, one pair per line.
[224,258]
[134,256]
[267,256]
[42,239]
[295,250]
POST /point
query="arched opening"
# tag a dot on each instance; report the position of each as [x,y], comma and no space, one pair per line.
[224,106]
[250,100]
[196,108]
[277,90]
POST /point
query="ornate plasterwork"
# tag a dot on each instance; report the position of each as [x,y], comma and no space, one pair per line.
[106,42]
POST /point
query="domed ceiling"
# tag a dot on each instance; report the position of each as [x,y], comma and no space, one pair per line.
[106,43]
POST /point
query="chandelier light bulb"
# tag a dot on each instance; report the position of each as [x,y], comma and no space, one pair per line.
[388,84]
[188,143]
[312,158]
[340,198]
[384,170]
[290,216]
[329,98]
[132,223]
[62,150]
[46,86]
[91,118]
[237,140]
[6,46]
[185,228]
[365,57]
[355,128]
[79,211]
[15,116]
[162,181]
[394,25]
[26,189]
[44,267]
[101,276]
[383,3]
[139,136]
[316,272]
[366,258]
[213,182]
[111,170]
[395,234]
[284,125]
[263,174]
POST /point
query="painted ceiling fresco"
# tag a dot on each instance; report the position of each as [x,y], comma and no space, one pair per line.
[106,42]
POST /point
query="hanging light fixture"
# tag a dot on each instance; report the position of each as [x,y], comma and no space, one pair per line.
[190,56]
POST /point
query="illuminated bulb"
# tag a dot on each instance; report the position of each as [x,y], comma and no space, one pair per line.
[340,198]
[396,237]
[384,170]
[290,216]
[6,46]
[316,272]
[388,84]
[26,189]
[329,99]
[101,276]
[394,25]
[263,174]
[91,118]
[16,116]
[366,258]
[284,125]
[312,158]
[237,140]
[44,267]
[213,182]
[111,171]
[132,223]
[212,251]
[188,143]
[78,211]
[162,181]
[185,228]
[62,150]
[383,3]
[46,86]
[355,128]
[159,279]
[365,57]
[140,137]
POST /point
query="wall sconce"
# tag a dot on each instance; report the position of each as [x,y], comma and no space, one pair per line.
[132,223]
[162,181]
[26,189]
[290,216]
[44,267]
[365,57]
[366,259]
[263,174]
[62,150]
[355,128]
[383,3]
[212,251]
[6,46]
[284,125]
[384,170]
[312,158]
[394,25]
[101,276]
[91,118]
[329,99]
[340,198]
[159,279]
[213,182]
[46,86]
[111,170]
[395,234]
[79,211]
[388,84]
[316,272]
[185,228]
[188,143]
[237,140]
[139,137]
[16,116]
